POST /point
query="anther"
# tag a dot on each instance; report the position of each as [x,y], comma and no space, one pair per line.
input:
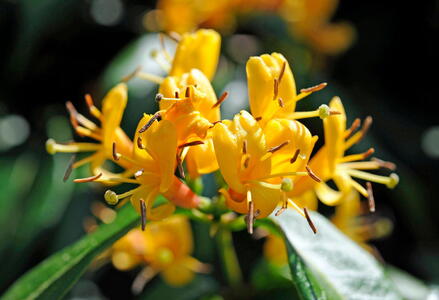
[295,156]
[280,102]
[194,143]
[310,222]
[89,100]
[244,147]
[111,197]
[366,125]
[174,36]
[370,197]
[131,75]
[394,180]
[315,88]
[384,164]
[221,99]
[143,213]
[282,71]
[250,217]
[139,143]
[157,116]
[73,114]
[69,168]
[116,156]
[258,118]
[246,162]
[278,147]
[312,174]
[187,93]
[354,126]
[88,179]
[177,94]
[180,167]
[368,153]
[275,89]
[159,97]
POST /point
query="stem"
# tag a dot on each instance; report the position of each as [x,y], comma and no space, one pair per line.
[227,253]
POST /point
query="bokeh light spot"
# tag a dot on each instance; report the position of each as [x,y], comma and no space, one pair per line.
[14,130]
[430,142]
[107,12]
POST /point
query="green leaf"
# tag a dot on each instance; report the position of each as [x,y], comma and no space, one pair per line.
[328,265]
[53,277]
[408,286]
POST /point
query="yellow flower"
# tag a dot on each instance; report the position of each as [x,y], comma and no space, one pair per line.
[199,50]
[113,107]
[310,21]
[331,163]
[275,250]
[165,247]
[154,157]
[248,163]
[189,101]
[272,90]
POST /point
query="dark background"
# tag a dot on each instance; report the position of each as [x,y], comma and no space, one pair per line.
[53,51]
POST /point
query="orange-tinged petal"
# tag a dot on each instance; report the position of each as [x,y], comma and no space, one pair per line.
[177,274]
[201,159]
[198,50]
[265,199]
[275,250]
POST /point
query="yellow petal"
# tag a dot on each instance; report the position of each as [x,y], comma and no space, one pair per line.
[113,107]
[198,50]
[265,199]
[201,159]
[177,274]
[275,250]
[327,195]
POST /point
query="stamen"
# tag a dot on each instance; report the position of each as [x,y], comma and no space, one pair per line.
[174,36]
[359,188]
[143,213]
[278,147]
[88,179]
[69,168]
[246,161]
[157,116]
[82,131]
[132,74]
[275,89]
[357,137]
[180,167]
[140,143]
[310,223]
[116,156]
[295,156]
[390,181]
[250,213]
[150,77]
[159,97]
[91,107]
[52,147]
[384,164]
[258,118]
[353,127]
[194,143]
[285,174]
[244,147]
[282,71]
[370,198]
[296,207]
[187,93]
[312,174]
[284,205]
[359,156]
[177,94]
[112,198]
[280,102]
[315,88]
[73,113]
[221,99]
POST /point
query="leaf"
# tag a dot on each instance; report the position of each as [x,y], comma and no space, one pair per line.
[408,286]
[54,277]
[328,265]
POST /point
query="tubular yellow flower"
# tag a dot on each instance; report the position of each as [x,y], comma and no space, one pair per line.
[113,107]
[247,163]
[331,163]
[164,247]
[199,50]
[154,157]
[272,90]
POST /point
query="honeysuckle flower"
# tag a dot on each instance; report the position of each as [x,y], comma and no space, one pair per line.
[331,163]
[310,21]
[272,90]
[248,164]
[164,248]
[275,250]
[155,158]
[113,106]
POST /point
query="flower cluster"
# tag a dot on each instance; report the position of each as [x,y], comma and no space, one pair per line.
[264,155]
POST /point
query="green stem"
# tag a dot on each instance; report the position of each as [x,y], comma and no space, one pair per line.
[227,253]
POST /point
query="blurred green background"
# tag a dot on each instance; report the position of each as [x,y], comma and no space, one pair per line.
[58,50]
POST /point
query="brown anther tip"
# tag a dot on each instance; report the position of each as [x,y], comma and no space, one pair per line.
[69,168]
[366,124]
[221,99]
[368,153]
[280,102]
[384,164]
[131,75]
[275,88]
[280,211]
[89,100]
[370,198]
[282,71]
[180,167]
[315,88]
[156,116]
[177,94]
[312,174]
[354,126]
[159,97]
[143,213]
[214,123]
[310,222]
[194,143]
[250,217]
[244,147]
[334,112]
[258,118]
[295,156]
[278,147]
[73,114]
[87,179]
[139,143]
[116,156]
[187,93]
[246,162]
